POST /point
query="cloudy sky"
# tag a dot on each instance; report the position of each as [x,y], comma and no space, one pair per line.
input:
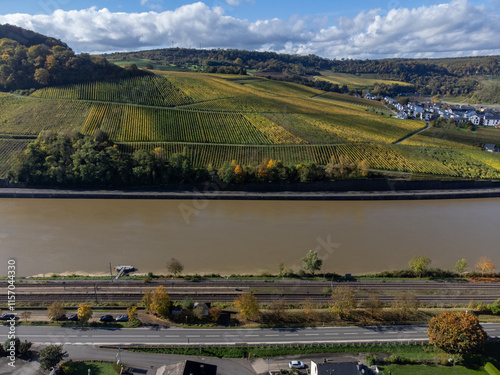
[328,28]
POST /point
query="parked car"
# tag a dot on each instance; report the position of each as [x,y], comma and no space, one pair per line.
[122,318]
[7,316]
[106,318]
[73,318]
[296,364]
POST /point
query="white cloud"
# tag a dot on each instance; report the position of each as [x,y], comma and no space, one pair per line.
[153,4]
[451,29]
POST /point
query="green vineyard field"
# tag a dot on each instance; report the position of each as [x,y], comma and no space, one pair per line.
[7,149]
[148,90]
[26,116]
[383,157]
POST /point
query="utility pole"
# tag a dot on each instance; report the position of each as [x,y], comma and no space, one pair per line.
[110,271]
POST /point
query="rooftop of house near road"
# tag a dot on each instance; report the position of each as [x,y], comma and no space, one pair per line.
[344,368]
[188,368]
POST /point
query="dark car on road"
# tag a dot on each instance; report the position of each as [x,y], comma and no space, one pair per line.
[106,318]
[7,316]
[73,318]
[122,318]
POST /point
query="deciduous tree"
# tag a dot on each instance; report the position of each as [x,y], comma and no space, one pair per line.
[373,304]
[215,313]
[248,306]
[85,313]
[342,301]
[485,265]
[55,311]
[456,333]
[175,267]
[160,302]
[461,266]
[419,264]
[132,313]
[312,263]
[405,304]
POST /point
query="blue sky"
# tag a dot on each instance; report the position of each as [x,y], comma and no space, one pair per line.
[333,29]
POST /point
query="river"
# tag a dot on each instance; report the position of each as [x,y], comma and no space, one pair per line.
[47,236]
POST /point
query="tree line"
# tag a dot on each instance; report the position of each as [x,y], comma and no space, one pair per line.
[29,60]
[74,159]
[448,76]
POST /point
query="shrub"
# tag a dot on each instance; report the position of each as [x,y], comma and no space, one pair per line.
[395,358]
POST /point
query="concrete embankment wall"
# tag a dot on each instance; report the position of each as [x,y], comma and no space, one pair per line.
[338,190]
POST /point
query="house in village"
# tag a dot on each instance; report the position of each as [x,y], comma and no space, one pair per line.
[402,115]
[491,120]
[370,96]
[490,147]
[187,368]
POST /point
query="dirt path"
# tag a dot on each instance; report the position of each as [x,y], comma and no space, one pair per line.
[427,126]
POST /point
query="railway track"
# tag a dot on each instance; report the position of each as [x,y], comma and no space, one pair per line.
[293,291]
[230,297]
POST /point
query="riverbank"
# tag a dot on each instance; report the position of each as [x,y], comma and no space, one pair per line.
[252,195]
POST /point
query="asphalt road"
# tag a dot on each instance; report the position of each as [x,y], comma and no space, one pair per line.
[182,336]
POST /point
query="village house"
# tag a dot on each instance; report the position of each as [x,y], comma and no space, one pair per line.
[370,96]
[492,120]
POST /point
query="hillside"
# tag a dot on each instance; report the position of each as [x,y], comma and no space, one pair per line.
[444,76]
[221,120]
[248,119]
[30,60]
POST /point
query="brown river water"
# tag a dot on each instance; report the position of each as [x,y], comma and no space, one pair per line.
[47,236]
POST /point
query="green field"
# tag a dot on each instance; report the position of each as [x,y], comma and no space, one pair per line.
[362,81]
[249,119]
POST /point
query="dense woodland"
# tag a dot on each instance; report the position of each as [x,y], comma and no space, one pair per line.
[30,60]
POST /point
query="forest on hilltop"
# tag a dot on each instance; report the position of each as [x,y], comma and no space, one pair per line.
[30,60]
[445,76]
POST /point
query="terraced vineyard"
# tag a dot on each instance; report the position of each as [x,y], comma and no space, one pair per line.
[125,123]
[221,118]
[7,149]
[28,117]
[393,158]
[148,90]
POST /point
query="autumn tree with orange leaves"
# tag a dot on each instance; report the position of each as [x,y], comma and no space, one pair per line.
[485,265]
[248,306]
[456,333]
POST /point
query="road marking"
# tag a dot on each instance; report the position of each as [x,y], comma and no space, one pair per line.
[153,336]
[349,333]
[251,335]
[331,334]
[312,334]
[272,335]
[172,336]
[369,333]
[118,336]
[193,336]
[212,336]
[231,335]
[292,334]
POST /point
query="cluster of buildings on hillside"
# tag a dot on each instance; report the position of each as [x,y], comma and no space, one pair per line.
[428,111]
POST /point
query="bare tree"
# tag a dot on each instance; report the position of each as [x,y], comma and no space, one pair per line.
[175,267]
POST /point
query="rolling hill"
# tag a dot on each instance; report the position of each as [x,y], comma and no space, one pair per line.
[220,118]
